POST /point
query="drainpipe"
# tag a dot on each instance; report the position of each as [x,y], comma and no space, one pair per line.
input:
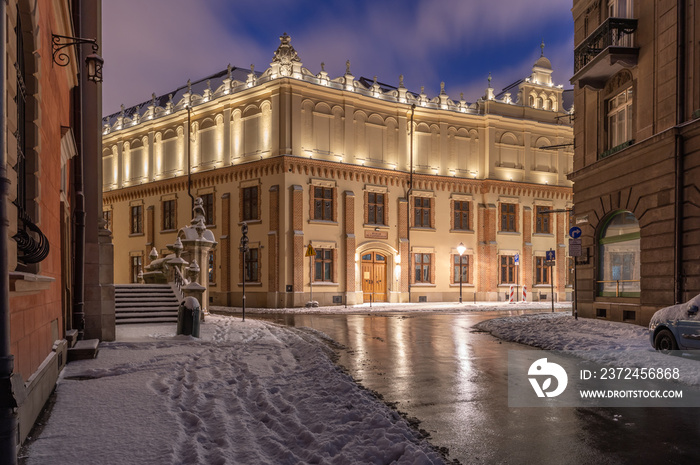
[679,152]
[408,206]
[8,415]
[79,212]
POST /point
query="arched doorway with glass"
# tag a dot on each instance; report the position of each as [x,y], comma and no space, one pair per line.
[619,260]
[374,276]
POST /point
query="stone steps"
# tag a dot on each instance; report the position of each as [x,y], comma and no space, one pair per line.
[145,303]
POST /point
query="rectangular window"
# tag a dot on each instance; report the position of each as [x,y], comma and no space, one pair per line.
[508,217]
[323,203]
[136,219]
[619,113]
[324,265]
[107,216]
[168,212]
[208,205]
[460,268]
[542,271]
[252,266]
[542,220]
[135,265]
[250,203]
[507,269]
[375,208]
[461,215]
[421,213]
[422,269]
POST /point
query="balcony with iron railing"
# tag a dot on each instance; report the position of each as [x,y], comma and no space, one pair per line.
[606,51]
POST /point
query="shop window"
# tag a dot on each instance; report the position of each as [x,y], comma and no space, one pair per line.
[619,259]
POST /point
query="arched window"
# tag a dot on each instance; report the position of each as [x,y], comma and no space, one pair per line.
[619,256]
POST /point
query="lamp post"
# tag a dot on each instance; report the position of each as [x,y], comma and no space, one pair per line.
[460,249]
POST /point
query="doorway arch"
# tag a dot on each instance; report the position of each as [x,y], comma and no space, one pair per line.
[374,276]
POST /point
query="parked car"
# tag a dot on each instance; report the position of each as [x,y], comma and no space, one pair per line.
[676,327]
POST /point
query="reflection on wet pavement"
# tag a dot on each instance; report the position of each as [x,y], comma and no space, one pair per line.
[436,368]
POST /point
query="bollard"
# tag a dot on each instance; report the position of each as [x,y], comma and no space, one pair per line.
[188,314]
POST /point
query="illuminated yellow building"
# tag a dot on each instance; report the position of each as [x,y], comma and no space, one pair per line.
[346,165]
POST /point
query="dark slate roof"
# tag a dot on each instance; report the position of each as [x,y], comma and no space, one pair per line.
[198,87]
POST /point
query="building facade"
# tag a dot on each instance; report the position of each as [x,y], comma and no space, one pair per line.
[382,183]
[636,156]
[44,144]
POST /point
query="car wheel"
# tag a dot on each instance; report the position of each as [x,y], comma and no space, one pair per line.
[664,341]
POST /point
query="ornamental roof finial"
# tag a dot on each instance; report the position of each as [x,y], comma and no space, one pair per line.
[542,47]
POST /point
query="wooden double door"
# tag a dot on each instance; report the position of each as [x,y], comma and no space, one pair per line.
[374,277]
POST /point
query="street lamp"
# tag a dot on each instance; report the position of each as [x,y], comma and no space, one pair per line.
[93,61]
[460,249]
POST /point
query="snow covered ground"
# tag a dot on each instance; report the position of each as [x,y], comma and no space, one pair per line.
[245,393]
[259,393]
[601,341]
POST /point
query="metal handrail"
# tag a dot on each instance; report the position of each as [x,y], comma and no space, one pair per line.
[610,33]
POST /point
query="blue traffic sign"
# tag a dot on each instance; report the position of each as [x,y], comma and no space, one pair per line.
[516,259]
[551,255]
[575,232]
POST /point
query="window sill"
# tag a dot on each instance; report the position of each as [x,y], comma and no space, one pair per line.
[28,283]
[462,231]
[542,235]
[463,285]
[423,285]
[509,233]
[324,283]
[328,222]
[167,231]
[249,222]
[373,226]
[253,284]
[136,234]
[422,228]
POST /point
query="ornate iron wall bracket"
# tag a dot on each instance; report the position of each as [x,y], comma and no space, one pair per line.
[94,61]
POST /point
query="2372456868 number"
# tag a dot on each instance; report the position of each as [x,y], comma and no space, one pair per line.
[630,373]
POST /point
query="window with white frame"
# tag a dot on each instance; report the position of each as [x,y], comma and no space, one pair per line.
[620,118]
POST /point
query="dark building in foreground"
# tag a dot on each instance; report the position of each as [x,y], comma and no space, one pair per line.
[636,156]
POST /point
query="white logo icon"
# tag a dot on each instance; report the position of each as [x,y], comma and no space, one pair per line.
[542,367]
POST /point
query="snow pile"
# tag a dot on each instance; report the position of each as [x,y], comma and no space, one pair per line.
[604,342]
[246,393]
[560,331]
[676,312]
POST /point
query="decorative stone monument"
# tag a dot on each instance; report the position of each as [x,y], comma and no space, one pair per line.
[197,242]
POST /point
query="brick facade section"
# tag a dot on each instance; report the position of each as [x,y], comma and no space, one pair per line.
[350,242]
[298,249]
[225,243]
[273,257]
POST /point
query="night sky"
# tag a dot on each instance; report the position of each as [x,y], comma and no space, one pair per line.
[156,45]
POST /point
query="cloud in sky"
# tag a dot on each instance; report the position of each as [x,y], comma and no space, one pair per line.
[156,45]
